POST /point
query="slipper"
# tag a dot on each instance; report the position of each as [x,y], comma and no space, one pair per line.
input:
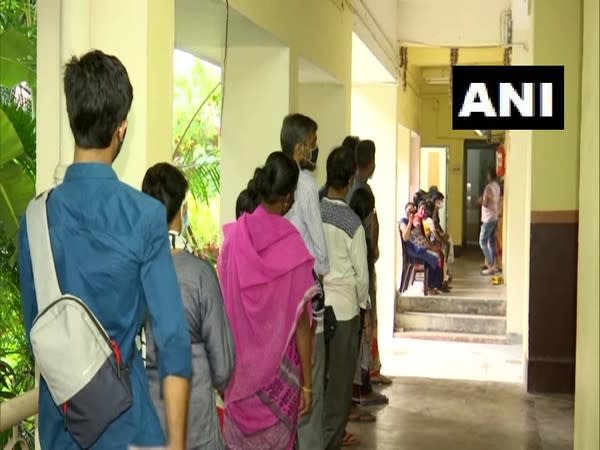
[381,379]
[361,416]
[350,440]
[374,399]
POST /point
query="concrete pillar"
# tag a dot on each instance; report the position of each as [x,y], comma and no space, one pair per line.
[375,116]
[517,192]
[256,101]
[141,35]
[554,207]
[403,165]
[587,397]
[325,103]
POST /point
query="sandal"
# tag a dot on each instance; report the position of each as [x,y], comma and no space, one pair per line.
[350,440]
[360,415]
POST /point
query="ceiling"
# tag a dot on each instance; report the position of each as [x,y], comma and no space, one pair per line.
[366,68]
[200,29]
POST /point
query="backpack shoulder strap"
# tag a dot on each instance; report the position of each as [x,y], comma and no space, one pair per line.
[44,273]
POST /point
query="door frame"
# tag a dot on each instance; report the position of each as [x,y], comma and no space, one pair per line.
[478,144]
[442,189]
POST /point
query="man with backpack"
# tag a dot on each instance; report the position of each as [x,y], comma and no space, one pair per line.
[110,258]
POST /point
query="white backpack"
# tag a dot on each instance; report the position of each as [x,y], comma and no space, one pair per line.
[78,360]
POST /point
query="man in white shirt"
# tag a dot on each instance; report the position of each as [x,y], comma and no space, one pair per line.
[298,141]
[346,290]
[490,202]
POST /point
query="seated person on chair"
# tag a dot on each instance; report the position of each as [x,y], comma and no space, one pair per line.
[438,244]
[419,248]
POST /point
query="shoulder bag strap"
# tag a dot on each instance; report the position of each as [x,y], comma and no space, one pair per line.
[42,261]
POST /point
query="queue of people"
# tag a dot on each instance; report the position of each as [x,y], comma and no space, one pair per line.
[283,332]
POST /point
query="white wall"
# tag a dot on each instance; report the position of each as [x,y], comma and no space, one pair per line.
[256,101]
[374,116]
[325,103]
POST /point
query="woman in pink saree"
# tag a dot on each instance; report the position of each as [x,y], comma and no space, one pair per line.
[266,277]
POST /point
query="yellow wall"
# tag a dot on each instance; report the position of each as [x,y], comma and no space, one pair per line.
[73,27]
[409,101]
[587,381]
[555,157]
[314,29]
[324,102]
[255,103]
[436,131]
[256,100]
[374,116]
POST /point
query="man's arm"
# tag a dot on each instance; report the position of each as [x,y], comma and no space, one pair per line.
[358,257]
[215,330]
[310,211]
[487,196]
[375,235]
[169,326]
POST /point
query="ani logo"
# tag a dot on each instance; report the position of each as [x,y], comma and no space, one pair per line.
[508,97]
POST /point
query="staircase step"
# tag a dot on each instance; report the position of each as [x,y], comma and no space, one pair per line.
[451,305]
[454,323]
[453,337]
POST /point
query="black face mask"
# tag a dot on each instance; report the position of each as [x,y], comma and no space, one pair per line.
[120,145]
[312,163]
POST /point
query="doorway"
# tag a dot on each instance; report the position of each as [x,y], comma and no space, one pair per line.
[433,172]
[479,156]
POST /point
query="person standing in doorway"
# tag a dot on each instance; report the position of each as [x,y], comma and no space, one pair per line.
[110,248]
[299,142]
[490,202]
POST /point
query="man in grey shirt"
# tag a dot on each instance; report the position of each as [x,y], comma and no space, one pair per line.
[298,141]
[213,354]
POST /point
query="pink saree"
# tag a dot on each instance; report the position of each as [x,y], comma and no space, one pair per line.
[266,277]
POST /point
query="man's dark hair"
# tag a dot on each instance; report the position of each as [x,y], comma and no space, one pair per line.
[351,142]
[276,179]
[99,96]
[295,130]
[491,172]
[340,167]
[365,153]
[167,184]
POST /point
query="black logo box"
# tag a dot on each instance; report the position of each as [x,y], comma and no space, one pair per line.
[492,76]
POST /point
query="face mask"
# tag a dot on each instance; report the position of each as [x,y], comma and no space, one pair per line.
[120,145]
[309,161]
[185,221]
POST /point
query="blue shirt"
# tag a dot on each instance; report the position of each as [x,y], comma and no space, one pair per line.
[111,250]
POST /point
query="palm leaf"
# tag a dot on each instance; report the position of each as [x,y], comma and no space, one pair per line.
[17,59]
[10,144]
[16,190]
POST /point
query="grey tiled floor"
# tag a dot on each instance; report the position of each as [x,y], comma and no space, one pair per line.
[427,414]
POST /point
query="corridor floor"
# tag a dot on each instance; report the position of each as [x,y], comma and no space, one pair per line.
[428,414]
